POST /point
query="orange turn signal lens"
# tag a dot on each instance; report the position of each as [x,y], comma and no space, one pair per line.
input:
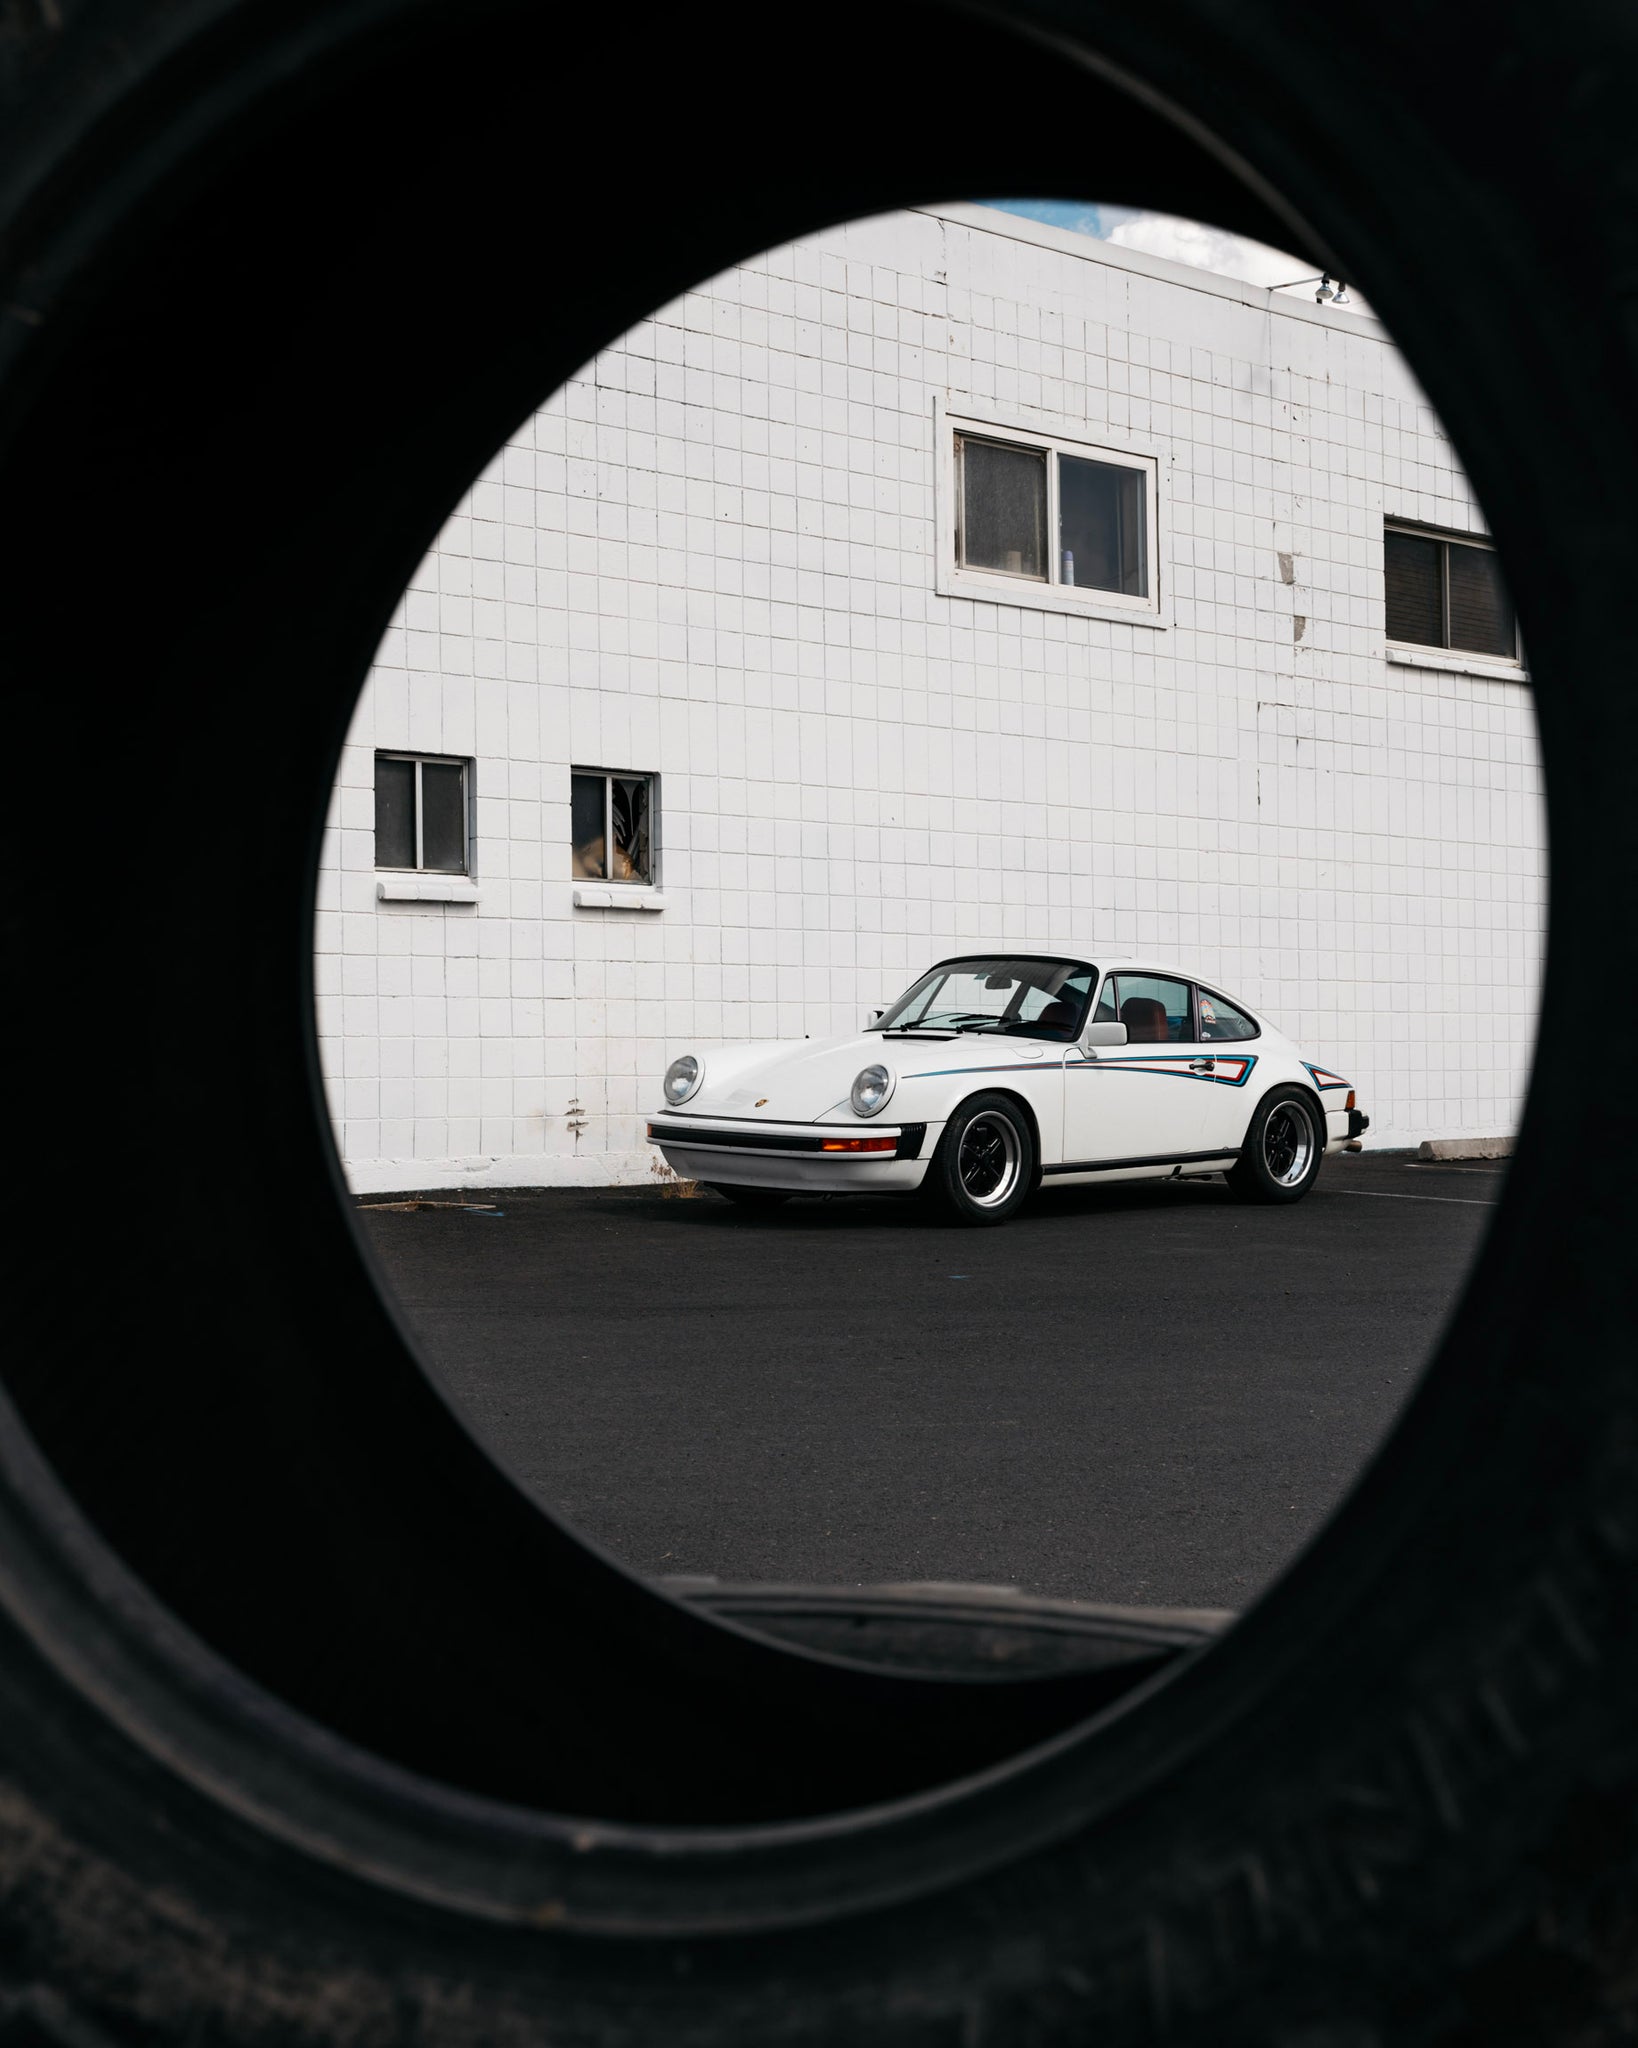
[858,1145]
[1350,1102]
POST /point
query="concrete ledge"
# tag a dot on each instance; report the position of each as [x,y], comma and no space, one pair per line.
[1465,1148]
[426,889]
[619,896]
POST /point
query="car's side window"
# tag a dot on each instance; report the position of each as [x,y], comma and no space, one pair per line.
[1107,1011]
[1220,1022]
[1154,1009]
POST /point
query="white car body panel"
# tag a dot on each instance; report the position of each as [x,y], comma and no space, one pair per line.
[778,1114]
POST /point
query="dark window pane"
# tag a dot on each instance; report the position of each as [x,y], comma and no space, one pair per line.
[1221,1022]
[1106,1013]
[1481,612]
[1102,537]
[1416,610]
[1003,508]
[1051,1002]
[632,858]
[1154,1011]
[443,817]
[586,827]
[394,813]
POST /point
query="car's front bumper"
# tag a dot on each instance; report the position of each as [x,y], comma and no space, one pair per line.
[807,1158]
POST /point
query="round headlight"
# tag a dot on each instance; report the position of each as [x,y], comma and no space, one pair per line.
[682,1077]
[871,1089]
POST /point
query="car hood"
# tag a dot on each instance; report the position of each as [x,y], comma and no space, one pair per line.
[798,1081]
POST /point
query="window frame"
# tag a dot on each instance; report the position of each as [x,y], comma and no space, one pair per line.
[1441,653]
[972,960]
[610,776]
[1239,1009]
[1118,974]
[467,765]
[1053,438]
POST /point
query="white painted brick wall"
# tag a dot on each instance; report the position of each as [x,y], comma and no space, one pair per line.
[711,557]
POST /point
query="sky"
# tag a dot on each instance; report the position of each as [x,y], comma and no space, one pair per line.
[1183,241]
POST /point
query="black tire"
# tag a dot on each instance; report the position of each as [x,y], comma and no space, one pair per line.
[984,1167]
[1283,1151]
[749,1198]
[295,1762]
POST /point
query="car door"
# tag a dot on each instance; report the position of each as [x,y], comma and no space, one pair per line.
[1228,1040]
[1137,1107]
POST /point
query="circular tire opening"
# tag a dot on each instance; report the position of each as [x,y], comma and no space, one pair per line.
[277,1475]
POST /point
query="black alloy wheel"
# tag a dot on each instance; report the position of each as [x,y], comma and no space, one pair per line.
[1283,1151]
[984,1166]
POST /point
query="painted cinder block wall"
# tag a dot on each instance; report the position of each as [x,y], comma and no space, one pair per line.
[711,557]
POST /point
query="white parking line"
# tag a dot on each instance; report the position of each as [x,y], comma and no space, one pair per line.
[1382,1195]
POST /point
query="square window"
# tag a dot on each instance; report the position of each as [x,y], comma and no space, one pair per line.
[423,814]
[611,826]
[1445,592]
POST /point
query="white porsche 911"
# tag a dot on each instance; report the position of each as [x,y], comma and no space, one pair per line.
[996,1073]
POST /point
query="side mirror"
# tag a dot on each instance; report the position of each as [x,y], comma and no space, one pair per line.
[874,1016]
[1106,1034]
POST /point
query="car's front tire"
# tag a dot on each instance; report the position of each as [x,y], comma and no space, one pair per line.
[1280,1160]
[985,1162]
[750,1198]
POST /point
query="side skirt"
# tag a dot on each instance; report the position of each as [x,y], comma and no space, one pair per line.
[1221,1157]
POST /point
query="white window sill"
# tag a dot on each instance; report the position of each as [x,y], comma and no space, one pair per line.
[426,889]
[1062,598]
[1455,664]
[617,896]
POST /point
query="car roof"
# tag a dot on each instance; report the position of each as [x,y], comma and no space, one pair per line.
[1071,954]
[1104,962]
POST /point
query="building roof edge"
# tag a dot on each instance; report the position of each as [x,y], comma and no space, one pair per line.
[1018,227]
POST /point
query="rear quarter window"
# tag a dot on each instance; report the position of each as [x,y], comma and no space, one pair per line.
[1220,1022]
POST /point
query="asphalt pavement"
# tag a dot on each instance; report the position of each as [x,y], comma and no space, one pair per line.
[1149,1394]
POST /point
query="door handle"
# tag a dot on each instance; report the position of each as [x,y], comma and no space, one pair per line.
[1203,1066]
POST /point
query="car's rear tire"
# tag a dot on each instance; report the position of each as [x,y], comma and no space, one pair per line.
[1284,1145]
[750,1198]
[985,1163]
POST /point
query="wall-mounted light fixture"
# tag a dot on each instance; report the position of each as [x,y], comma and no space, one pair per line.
[1329,294]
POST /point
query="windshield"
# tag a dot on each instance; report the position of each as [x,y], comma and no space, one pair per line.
[1023,998]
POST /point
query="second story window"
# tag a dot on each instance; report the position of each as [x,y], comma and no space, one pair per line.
[611,826]
[1447,592]
[1074,521]
[422,815]
[1012,499]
